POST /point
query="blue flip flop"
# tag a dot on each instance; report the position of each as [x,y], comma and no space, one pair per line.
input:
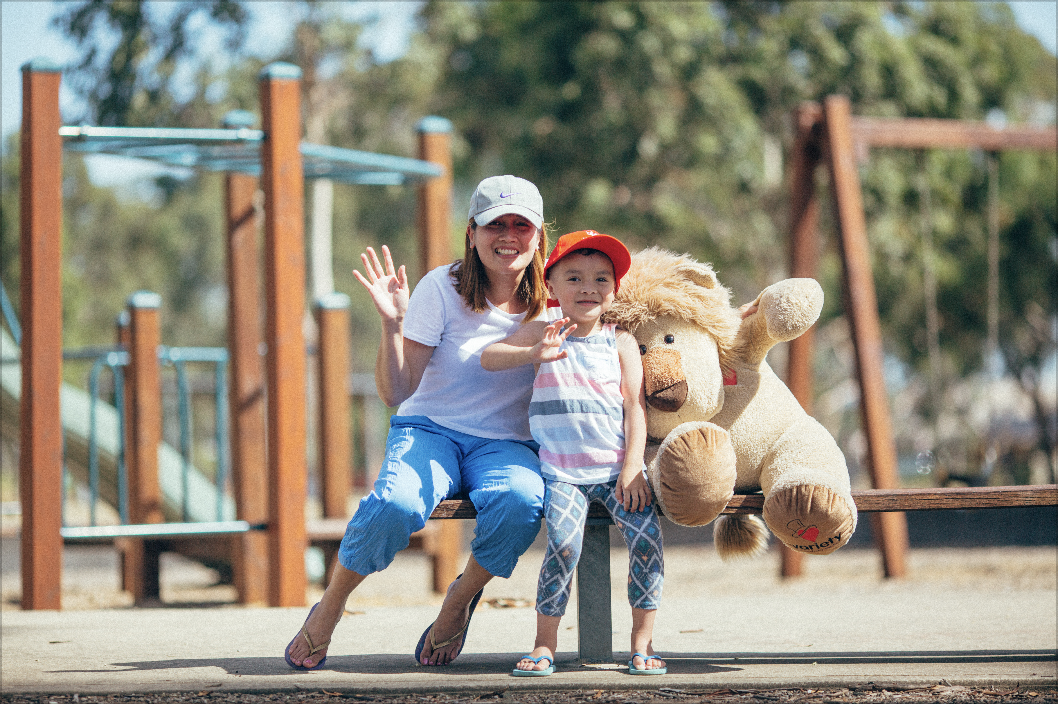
[536,673]
[645,658]
[312,648]
[461,632]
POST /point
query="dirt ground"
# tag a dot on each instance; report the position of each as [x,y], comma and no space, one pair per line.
[937,693]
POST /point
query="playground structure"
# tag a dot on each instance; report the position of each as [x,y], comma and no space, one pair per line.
[269,563]
[270,159]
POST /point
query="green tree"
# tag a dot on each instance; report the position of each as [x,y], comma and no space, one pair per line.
[138,81]
[662,123]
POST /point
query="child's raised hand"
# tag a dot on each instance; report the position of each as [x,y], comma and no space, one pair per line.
[552,337]
[632,491]
[389,289]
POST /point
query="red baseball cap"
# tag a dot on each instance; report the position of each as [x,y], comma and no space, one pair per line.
[590,239]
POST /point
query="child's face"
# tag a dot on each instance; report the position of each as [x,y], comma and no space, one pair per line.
[584,285]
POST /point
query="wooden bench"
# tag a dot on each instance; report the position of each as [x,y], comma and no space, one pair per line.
[594,568]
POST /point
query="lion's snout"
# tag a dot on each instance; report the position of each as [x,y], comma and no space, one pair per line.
[669,399]
[665,386]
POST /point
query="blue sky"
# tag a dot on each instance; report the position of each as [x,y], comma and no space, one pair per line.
[26,34]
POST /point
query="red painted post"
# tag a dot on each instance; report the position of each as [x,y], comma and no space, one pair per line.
[863,314]
[145,423]
[435,136]
[281,176]
[803,255]
[246,398]
[41,301]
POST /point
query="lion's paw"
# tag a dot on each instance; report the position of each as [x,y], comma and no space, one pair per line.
[809,519]
[694,473]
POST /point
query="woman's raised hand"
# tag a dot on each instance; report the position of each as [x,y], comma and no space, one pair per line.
[552,337]
[389,289]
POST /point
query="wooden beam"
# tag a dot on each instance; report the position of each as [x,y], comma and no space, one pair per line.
[803,253]
[282,181]
[246,396]
[867,501]
[923,133]
[333,382]
[41,304]
[140,564]
[863,316]
[435,136]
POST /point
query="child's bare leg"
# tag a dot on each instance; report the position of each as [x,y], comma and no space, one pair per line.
[321,623]
[640,640]
[545,643]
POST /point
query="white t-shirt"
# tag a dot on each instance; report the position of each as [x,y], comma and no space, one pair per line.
[455,391]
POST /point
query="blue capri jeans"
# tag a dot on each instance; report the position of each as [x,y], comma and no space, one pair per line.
[426,463]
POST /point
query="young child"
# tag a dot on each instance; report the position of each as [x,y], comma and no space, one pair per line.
[587,414]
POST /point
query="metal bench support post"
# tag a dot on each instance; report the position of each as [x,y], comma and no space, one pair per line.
[594,593]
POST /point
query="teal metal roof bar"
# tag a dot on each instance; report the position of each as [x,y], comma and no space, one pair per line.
[239,150]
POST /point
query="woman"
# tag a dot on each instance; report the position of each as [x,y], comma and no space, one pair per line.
[459,428]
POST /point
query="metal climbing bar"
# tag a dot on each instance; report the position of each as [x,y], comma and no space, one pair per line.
[239,150]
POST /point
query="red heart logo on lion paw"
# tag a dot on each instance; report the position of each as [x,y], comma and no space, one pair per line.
[807,533]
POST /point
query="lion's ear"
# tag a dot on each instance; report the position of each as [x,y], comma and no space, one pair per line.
[699,274]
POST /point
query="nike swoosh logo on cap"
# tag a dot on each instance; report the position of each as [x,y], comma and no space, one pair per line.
[508,195]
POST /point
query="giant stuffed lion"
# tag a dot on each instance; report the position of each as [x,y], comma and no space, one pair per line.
[719,419]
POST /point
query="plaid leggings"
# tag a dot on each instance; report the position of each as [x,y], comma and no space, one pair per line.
[566,507]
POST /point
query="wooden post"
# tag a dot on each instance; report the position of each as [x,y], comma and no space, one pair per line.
[889,528]
[281,174]
[246,398]
[435,135]
[41,302]
[145,426]
[336,433]
[803,257]
[336,451]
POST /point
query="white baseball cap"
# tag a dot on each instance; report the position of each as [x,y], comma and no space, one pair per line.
[501,195]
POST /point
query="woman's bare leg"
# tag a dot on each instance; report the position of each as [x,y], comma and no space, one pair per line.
[322,621]
[453,615]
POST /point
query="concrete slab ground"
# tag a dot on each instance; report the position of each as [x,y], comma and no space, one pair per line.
[972,617]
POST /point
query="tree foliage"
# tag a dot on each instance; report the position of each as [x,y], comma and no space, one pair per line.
[659,122]
[130,54]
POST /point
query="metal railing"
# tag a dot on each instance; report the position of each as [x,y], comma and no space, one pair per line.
[115,360]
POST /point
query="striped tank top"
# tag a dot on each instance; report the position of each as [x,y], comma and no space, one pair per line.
[576,412]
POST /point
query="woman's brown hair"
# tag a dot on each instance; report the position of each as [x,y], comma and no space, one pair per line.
[472,281]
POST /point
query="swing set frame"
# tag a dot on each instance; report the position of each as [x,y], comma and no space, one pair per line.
[829,135]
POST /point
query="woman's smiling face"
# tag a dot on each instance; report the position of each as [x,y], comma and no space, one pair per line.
[506,244]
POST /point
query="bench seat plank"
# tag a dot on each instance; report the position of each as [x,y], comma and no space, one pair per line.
[867,501]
